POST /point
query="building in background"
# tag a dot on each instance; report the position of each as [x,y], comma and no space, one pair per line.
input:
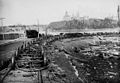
[66,17]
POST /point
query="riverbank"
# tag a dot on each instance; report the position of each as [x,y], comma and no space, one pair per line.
[56,32]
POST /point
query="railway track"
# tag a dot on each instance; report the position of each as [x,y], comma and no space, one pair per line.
[28,58]
[31,58]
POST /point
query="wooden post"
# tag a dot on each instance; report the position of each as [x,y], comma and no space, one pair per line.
[38,76]
[38,27]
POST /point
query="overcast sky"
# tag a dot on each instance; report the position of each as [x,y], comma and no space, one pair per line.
[28,11]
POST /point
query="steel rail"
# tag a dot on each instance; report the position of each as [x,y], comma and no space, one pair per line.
[21,49]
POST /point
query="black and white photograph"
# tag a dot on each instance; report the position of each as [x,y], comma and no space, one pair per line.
[59,41]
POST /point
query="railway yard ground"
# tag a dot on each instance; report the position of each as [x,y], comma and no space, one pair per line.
[8,47]
[84,59]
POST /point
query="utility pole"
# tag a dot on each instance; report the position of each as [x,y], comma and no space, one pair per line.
[38,27]
[46,31]
[118,11]
[2,19]
[118,14]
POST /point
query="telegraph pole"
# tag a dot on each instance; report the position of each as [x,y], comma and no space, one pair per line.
[2,19]
[118,11]
[38,27]
[118,14]
[46,31]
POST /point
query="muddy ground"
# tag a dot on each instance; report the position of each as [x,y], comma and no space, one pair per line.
[93,59]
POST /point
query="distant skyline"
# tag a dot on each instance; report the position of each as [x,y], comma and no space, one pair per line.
[29,11]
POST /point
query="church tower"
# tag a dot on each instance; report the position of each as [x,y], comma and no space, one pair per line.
[66,16]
